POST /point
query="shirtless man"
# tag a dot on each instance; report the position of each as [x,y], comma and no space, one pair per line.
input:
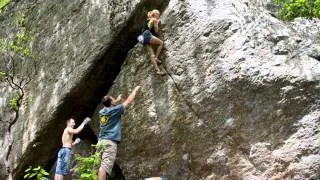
[64,155]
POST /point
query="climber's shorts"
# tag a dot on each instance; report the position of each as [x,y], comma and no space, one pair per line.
[63,162]
[108,150]
[147,35]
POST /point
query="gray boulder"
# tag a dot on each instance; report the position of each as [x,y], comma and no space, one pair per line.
[240,99]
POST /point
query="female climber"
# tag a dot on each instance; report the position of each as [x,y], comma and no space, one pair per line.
[148,38]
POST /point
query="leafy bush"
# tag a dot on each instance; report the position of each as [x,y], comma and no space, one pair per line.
[2,44]
[22,39]
[317,11]
[87,167]
[37,173]
[19,63]
[290,9]
[2,75]
[14,104]
[3,4]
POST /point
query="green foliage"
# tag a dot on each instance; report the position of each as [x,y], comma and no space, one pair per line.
[316,8]
[2,44]
[3,4]
[14,104]
[37,173]
[20,42]
[20,20]
[16,52]
[88,166]
[3,75]
[290,9]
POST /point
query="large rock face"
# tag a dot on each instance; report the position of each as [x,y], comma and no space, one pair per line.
[80,46]
[240,99]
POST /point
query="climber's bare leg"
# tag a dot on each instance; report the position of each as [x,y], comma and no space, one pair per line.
[156,41]
[153,58]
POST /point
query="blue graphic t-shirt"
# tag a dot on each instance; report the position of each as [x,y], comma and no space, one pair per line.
[110,123]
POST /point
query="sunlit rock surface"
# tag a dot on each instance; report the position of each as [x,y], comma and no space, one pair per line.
[240,99]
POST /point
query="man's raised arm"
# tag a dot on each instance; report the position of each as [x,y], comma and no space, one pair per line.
[131,97]
[79,129]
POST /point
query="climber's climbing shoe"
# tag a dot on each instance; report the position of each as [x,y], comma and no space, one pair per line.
[160,73]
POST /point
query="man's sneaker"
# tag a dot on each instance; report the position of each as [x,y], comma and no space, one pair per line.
[159,61]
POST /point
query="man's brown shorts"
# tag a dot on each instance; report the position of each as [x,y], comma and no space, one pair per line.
[108,151]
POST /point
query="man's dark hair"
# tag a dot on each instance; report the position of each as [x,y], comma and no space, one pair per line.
[106,101]
[68,120]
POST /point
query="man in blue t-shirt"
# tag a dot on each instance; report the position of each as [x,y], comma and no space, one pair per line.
[110,131]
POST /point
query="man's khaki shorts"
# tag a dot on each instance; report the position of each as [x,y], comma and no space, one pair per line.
[108,151]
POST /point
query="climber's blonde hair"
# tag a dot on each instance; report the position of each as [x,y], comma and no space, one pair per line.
[150,14]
